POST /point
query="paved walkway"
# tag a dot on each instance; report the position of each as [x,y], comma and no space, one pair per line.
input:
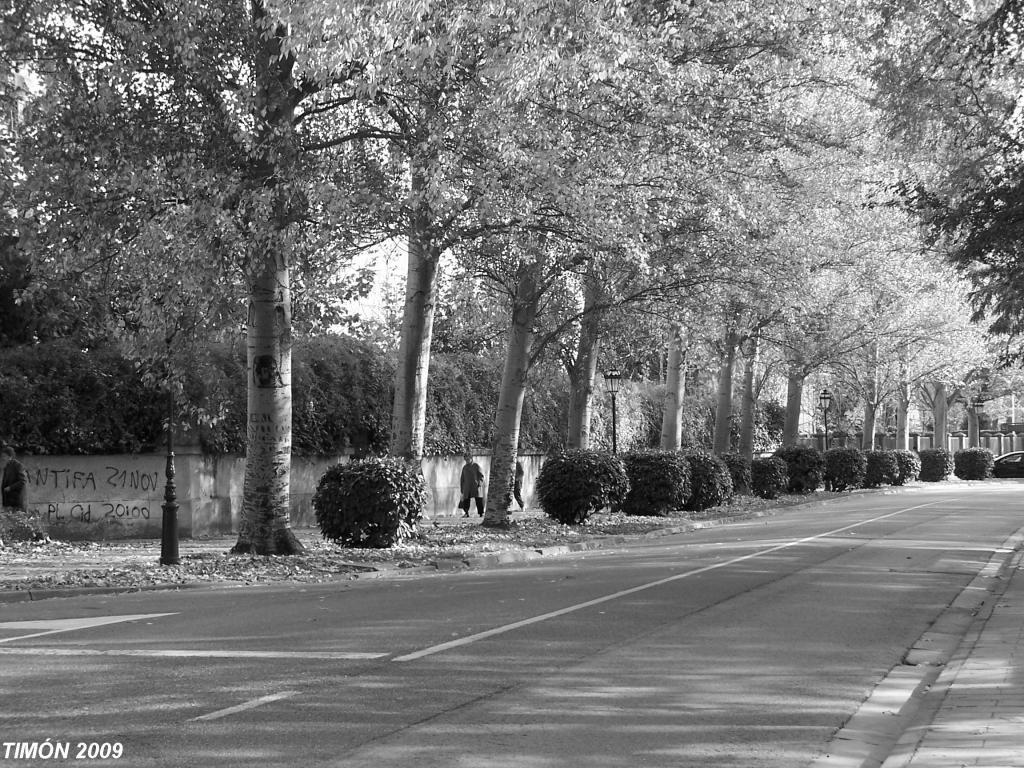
[979,720]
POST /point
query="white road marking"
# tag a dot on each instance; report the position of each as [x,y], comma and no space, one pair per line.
[440,648]
[244,706]
[53,626]
[191,653]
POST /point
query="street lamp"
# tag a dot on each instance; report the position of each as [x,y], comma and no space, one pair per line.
[824,401]
[169,522]
[612,382]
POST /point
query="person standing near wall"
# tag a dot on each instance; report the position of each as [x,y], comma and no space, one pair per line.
[14,481]
[471,486]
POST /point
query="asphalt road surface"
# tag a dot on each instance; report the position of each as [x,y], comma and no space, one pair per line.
[747,645]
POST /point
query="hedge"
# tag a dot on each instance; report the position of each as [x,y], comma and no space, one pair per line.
[710,481]
[845,468]
[973,463]
[806,467]
[883,469]
[68,400]
[373,502]
[659,482]
[936,465]
[909,466]
[769,477]
[739,471]
[573,485]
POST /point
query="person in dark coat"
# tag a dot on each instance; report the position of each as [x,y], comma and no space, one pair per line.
[471,486]
[14,481]
[517,486]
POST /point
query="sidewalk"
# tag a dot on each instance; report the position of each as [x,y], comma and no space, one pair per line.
[978,699]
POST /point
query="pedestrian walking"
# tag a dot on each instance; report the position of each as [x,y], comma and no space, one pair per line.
[471,486]
[517,486]
[14,481]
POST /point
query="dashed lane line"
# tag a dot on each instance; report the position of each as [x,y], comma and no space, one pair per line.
[251,704]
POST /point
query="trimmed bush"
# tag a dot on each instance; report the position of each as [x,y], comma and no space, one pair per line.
[739,472]
[369,503]
[658,482]
[936,465]
[845,468]
[769,478]
[710,481]
[806,468]
[909,466]
[973,463]
[883,469]
[573,485]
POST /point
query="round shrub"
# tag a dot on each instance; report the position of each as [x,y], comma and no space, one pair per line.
[574,484]
[739,471]
[806,467]
[936,465]
[845,468]
[909,466]
[368,503]
[710,482]
[973,464]
[769,477]
[883,469]
[658,482]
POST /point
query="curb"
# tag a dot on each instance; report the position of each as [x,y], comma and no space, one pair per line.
[880,733]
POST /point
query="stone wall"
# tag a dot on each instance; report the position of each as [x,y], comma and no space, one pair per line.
[120,496]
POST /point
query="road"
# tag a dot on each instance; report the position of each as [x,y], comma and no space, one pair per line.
[745,645]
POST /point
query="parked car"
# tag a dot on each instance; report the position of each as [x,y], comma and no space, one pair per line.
[1009,465]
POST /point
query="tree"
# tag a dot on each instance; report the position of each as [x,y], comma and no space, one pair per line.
[171,167]
[947,77]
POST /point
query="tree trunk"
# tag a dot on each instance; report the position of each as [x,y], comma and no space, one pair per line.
[973,428]
[723,413]
[871,400]
[675,384]
[505,447]
[409,413]
[868,439]
[940,413]
[583,374]
[264,526]
[794,405]
[903,416]
[749,404]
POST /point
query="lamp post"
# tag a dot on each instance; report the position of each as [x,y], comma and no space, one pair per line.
[824,401]
[169,521]
[612,381]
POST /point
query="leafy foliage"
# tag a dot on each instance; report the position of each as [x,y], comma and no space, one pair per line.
[372,502]
[909,466]
[739,470]
[973,463]
[806,467]
[574,484]
[710,480]
[659,482]
[769,477]
[936,465]
[61,399]
[883,468]
[845,468]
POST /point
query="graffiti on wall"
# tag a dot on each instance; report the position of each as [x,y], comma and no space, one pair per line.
[104,498]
